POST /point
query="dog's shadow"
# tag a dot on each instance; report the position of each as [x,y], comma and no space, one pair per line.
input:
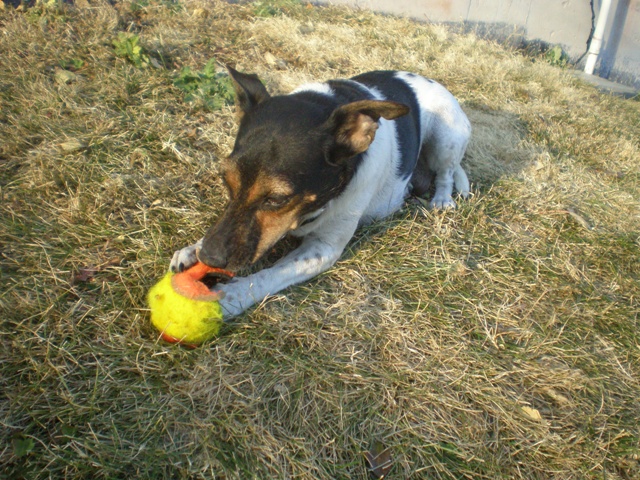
[498,146]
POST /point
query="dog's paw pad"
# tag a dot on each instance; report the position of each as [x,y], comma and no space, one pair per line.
[442,203]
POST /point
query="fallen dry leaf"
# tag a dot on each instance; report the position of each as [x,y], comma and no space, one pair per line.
[87,273]
[580,218]
[532,413]
[379,459]
[64,77]
[84,274]
[72,145]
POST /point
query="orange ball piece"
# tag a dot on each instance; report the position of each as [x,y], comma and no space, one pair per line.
[184,308]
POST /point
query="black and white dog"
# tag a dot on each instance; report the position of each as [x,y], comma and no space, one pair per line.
[319,162]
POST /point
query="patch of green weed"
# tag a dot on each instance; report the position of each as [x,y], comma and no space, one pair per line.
[214,90]
[22,446]
[72,64]
[44,11]
[556,56]
[127,46]
[273,8]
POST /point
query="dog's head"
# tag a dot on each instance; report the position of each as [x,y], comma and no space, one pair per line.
[292,155]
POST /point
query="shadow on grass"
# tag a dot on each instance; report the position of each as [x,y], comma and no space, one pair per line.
[497,148]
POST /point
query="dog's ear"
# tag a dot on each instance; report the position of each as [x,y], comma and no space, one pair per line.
[353,126]
[249,89]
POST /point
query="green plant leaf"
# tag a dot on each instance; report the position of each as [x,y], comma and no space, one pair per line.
[213,90]
[127,46]
[556,56]
[273,8]
[22,446]
[68,431]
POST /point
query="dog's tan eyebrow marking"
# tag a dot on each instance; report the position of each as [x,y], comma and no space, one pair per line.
[268,185]
[231,176]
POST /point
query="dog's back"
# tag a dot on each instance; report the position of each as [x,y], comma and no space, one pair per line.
[409,151]
[321,161]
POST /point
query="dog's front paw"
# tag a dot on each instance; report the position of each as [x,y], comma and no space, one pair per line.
[442,201]
[237,297]
[184,258]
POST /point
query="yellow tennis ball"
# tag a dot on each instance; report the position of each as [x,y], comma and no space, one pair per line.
[183,307]
[181,319]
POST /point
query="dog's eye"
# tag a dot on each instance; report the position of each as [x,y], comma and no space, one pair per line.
[273,202]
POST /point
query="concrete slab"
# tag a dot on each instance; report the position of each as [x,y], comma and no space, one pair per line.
[606,86]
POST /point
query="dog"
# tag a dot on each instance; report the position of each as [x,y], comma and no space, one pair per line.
[321,161]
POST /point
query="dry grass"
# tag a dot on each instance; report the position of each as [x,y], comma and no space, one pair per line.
[497,341]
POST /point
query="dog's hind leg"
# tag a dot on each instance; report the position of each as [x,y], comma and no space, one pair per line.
[444,152]
[444,188]
[461,182]
[422,179]
[422,176]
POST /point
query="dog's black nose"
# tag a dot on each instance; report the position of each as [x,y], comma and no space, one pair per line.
[216,258]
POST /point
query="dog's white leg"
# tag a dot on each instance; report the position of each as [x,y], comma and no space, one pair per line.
[444,188]
[318,252]
[445,182]
[445,162]
[461,182]
[185,257]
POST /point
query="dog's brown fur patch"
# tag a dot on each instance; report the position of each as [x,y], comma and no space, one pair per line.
[268,185]
[231,176]
[276,223]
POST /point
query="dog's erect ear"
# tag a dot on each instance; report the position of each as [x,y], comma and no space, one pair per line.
[353,126]
[249,89]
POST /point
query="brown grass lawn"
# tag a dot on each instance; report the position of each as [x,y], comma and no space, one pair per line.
[500,340]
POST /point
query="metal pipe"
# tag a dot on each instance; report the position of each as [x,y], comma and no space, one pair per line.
[598,34]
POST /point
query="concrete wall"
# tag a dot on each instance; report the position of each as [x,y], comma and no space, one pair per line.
[564,22]
[621,50]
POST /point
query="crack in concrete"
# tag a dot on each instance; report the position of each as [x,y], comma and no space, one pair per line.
[593,27]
